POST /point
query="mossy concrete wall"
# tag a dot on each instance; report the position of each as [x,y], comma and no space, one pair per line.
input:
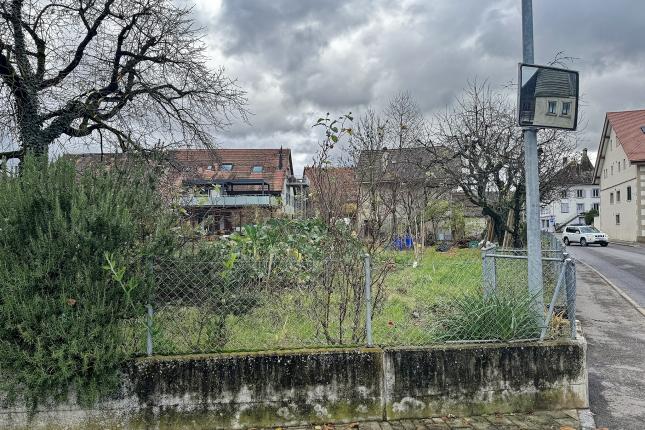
[291,388]
[476,379]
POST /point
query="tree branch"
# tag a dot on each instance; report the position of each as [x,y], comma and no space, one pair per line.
[80,49]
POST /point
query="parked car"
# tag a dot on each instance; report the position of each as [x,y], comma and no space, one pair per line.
[584,235]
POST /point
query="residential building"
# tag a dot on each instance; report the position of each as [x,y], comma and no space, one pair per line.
[620,173]
[396,188]
[554,99]
[332,193]
[577,197]
[223,189]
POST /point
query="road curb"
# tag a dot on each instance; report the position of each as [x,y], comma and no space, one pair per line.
[631,245]
[623,294]
[587,421]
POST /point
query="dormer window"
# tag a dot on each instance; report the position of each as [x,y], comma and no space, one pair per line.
[226,167]
[257,169]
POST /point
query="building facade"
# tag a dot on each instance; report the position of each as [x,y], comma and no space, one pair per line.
[224,189]
[578,196]
[620,173]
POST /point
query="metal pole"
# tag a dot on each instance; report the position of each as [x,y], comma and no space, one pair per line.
[488,270]
[532,180]
[571,295]
[149,330]
[368,299]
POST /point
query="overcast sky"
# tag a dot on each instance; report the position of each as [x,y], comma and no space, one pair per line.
[299,59]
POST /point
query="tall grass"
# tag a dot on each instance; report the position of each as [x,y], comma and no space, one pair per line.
[503,316]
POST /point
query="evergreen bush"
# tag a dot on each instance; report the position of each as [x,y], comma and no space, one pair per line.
[61,311]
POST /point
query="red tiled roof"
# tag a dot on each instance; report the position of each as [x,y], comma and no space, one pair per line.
[205,164]
[627,126]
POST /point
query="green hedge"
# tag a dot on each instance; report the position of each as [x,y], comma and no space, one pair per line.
[61,311]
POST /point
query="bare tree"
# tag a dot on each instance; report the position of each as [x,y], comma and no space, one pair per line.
[368,139]
[404,121]
[479,137]
[404,125]
[131,73]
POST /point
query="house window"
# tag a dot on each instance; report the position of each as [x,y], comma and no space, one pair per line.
[617,219]
[226,167]
[629,193]
[580,207]
[580,194]
[257,169]
[566,108]
[611,198]
[612,170]
[564,207]
[624,164]
[595,192]
[553,108]
[617,196]
[563,194]
[619,167]
[596,207]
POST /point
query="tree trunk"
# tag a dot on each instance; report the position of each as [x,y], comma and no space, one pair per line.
[517,206]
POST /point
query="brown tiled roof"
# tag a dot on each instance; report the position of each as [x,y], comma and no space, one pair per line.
[343,178]
[627,126]
[205,164]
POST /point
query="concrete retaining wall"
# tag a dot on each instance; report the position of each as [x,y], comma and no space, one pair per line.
[290,388]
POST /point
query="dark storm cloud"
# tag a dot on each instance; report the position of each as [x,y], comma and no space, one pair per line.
[300,58]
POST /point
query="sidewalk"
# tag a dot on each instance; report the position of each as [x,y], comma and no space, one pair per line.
[624,243]
[559,420]
[615,333]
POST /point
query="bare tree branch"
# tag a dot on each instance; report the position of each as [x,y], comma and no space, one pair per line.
[137,70]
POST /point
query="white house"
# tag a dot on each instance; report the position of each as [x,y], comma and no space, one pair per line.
[620,173]
[579,196]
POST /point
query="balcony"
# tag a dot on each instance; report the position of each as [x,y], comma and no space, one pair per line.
[230,201]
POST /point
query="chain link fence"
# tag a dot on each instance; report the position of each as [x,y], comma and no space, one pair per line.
[250,305]
[393,300]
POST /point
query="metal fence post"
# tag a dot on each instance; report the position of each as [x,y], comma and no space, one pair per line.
[489,271]
[149,330]
[571,295]
[368,299]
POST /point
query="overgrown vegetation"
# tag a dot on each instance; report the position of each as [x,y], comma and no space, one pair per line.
[60,309]
[297,281]
[84,253]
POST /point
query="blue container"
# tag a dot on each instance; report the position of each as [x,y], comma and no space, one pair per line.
[409,242]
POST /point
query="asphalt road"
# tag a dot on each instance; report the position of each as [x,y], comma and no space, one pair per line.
[622,265]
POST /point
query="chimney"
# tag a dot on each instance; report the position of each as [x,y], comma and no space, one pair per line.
[280,159]
[565,160]
[584,152]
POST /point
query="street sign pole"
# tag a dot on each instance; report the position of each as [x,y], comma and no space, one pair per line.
[532,180]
